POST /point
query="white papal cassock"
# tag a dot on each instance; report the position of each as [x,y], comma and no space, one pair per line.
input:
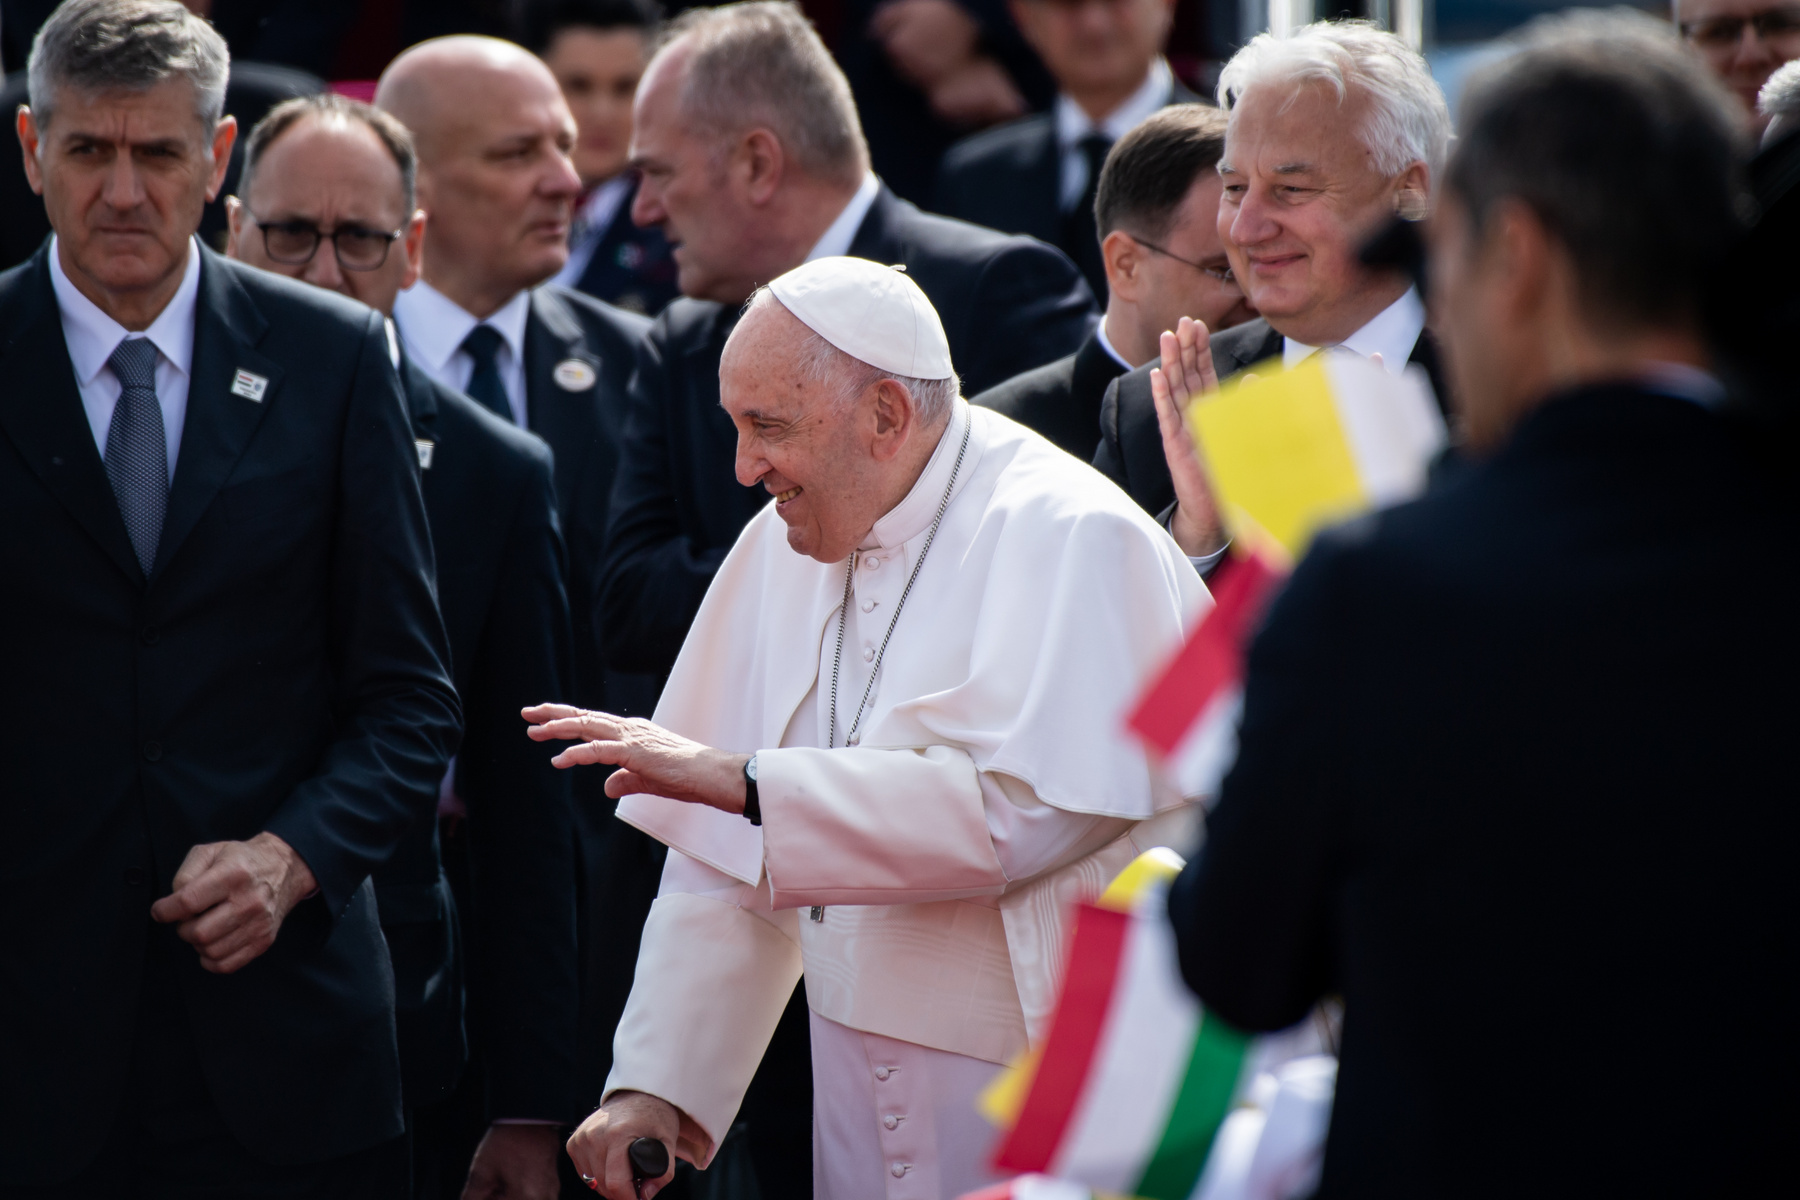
[920,877]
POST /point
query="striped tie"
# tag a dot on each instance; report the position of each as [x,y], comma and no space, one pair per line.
[137,457]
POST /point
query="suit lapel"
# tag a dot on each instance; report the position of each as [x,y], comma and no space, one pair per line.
[564,418]
[220,423]
[1425,354]
[702,374]
[41,412]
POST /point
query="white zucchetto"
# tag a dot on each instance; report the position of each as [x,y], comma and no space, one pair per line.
[870,312]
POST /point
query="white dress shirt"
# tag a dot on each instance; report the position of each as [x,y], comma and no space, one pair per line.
[1392,333]
[836,239]
[92,336]
[591,223]
[1073,124]
[433,326]
[1111,350]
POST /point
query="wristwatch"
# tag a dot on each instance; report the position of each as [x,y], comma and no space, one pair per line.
[752,802]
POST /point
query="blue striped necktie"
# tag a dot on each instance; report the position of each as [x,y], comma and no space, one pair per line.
[137,456]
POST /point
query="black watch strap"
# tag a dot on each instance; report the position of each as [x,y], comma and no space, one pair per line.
[752,801]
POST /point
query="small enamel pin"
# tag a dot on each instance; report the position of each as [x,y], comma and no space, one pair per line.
[426,449]
[574,375]
[250,387]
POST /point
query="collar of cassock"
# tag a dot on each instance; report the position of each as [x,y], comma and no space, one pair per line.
[913,515]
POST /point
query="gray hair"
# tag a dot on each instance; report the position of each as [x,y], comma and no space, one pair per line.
[1780,97]
[762,64]
[130,45]
[330,106]
[824,364]
[1408,120]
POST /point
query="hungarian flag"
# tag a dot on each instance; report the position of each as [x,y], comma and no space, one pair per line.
[1287,450]
[1137,1091]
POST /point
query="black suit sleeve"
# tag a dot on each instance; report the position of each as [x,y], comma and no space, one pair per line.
[1109,459]
[1032,306]
[523,985]
[396,709]
[655,575]
[1252,912]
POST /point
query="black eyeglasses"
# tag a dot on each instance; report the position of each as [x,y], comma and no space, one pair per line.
[1222,274]
[295,242]
[1717,33]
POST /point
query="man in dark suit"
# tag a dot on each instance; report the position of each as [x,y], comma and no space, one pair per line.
[597,50]
[1508,777]
[799,187]
[1039,175]
[1302,191]
[1157,212]
[327,199]
[493,136]
[227,698]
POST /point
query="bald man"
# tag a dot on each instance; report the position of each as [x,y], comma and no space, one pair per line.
[493,136]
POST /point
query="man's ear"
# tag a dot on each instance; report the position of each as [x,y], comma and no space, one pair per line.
[896,414]
[224,135]
[1124,260]
[1521,254]
[235,221]
[1412,193]
[760,165]
[27,128]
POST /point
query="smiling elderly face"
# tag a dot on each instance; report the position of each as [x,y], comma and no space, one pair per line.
[1302,192]
[834,462]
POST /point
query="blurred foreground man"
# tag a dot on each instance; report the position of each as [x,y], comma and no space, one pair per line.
[1510,777]
[227,697]
[1743,42]
[328,199]
[1333,131]
[1039,175]
[1158,216]
[494,135]
[893,728]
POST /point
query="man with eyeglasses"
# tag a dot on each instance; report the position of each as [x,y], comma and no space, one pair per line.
[1157,215]
[1743,41]
[327,198]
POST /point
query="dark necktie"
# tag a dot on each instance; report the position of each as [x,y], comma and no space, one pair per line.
[1081,238]
[137,456]
[485,385]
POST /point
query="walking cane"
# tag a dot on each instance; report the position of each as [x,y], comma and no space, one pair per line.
[649,1160]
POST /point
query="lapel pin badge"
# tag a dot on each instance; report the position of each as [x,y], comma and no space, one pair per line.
[426,449]
[250,387]
[574,375]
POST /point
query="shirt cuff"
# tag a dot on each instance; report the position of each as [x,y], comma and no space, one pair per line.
[1203,563]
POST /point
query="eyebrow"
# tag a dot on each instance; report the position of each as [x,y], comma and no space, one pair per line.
[1294,168]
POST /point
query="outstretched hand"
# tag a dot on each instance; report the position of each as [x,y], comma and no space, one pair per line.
[649,757]
[1186,372]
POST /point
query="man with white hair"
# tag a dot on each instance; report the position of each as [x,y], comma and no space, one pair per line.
[1333,131]
[889,754]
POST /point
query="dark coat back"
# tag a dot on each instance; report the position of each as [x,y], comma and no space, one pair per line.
[631,268]
[1060,400]
[282,669]
[1513,779]
[504,922]
[1130,452]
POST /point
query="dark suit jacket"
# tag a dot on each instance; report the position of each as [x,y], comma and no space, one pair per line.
[1010,178]
[1061,400]
[632,268]
[1007,304]
[500,579]
[1130,452]
[1512,779]
[283,669]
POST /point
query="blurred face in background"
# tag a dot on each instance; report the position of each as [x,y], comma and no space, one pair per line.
[1098,50]
[598,71]
[1302,193]
[330,176]
[1743,41]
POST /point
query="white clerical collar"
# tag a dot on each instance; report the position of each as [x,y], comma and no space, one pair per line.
[837,238]
[92,336]
[1392,334]
[913,515]
[1073,123]
[1106,345]
[434,326]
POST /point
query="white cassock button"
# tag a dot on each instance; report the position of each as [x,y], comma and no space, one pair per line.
[868,606]
[899,1170]
[881,1073]
[868,654]
[891,1122]
[871,562]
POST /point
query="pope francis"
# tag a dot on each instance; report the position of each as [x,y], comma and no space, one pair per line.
[889,754]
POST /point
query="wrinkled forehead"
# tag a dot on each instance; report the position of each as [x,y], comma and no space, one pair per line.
[168,108]
[765,364]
